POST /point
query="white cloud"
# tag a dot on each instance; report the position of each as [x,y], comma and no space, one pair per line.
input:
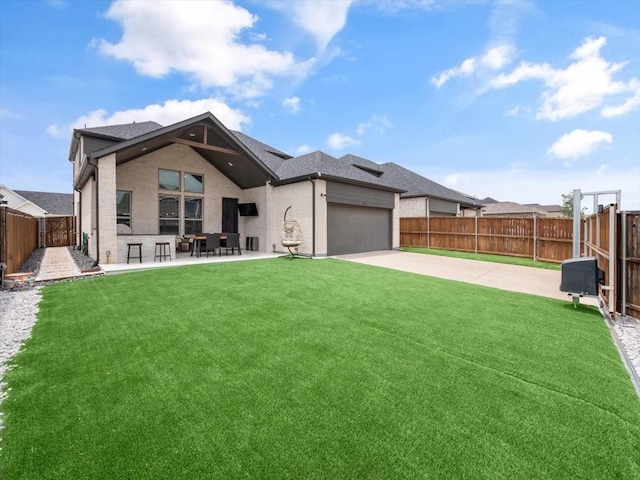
[624,108]
[526,185]
[172,111]
[338,141]
[582,86]
[322,19]
[292,105]
[304,148]
[379,123]
[578,143]
[493,59]
[200,39]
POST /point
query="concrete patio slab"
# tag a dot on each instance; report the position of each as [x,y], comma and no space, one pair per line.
[535,281]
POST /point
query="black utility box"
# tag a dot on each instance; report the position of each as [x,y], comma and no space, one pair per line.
[581,276]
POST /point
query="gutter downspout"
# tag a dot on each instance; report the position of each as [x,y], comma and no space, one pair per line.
[79,224]
[97,175]
[313,215]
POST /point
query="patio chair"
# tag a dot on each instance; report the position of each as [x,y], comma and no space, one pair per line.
[233,242]
[212,243]
[291,235]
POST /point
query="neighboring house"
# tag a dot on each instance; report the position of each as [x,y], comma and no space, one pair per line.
[512,209]
[552,210]
[38,204]
[160,183]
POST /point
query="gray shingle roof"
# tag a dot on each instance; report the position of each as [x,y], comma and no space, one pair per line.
[320,162]
[52,203]
[270,156]
[419,186]
[125,131]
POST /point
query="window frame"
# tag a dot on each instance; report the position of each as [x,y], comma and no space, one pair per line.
[177,172]
[127,220]
[184,182]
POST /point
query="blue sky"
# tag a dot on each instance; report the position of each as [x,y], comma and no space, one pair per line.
[520,101]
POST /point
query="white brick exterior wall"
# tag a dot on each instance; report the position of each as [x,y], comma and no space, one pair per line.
[140,177]
[107,209]
[298,196]
[395,240]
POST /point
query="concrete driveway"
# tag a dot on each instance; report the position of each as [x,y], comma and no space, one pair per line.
[535,281]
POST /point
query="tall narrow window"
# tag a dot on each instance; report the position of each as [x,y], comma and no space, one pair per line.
[168,180]
[123,208]
[169,209]
[192,215]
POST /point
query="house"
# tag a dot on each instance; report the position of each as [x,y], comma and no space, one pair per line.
[146,183]
[552,210]
[512,209]
[38,204]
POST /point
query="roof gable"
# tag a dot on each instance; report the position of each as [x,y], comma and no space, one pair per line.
[206,136]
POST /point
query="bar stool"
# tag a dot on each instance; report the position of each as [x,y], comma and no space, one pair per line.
[161,251]
[129,256]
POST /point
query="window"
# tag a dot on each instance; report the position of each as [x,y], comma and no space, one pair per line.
[193,183]
[169,209]
[168,180]
[192,215]
[170,215]
[123,208]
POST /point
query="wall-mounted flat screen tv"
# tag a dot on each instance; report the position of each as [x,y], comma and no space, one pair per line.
[247,210]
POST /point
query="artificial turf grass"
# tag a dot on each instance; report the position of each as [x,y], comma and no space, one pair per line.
[485,257]
[314,369]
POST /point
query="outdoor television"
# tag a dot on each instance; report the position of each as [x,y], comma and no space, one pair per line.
[247,210]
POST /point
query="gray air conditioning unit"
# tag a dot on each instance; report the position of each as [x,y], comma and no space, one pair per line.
[581,276]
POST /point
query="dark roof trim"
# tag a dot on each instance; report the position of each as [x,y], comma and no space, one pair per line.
[332,178]
[423,195]
[177,126]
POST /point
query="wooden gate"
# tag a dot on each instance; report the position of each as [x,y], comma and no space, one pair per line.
[57,231]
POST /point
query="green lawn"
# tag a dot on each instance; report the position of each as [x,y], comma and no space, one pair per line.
[314,369]
[485,257]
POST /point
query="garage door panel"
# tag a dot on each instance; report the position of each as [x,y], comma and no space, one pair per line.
[353,229]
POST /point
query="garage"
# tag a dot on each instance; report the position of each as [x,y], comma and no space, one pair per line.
[359,219]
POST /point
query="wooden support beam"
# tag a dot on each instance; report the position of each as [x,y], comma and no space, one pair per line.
[203,146]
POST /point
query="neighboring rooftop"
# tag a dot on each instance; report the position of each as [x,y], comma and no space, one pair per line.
[512,208]
[52,203]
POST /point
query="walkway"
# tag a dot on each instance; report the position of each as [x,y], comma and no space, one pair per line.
[536,281]
[57,264]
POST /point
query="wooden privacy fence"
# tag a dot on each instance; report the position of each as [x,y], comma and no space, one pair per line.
[57,231]
[629,265]
[18,237]
[545,239]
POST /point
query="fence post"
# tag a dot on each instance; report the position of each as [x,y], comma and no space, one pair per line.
[535,235]
[476,235]
[428,231]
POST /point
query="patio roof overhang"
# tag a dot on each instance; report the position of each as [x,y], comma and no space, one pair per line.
[207,137]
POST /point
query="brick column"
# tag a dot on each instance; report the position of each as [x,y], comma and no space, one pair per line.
[107,209]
